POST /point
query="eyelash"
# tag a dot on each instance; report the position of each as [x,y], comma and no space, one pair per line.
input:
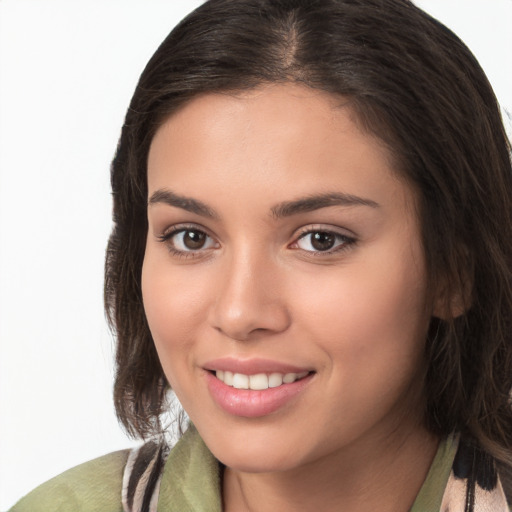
[346,241]
[167,237]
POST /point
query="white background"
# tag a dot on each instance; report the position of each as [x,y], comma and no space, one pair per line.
[67,72]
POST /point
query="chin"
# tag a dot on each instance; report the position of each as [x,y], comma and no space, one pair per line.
[253,451]
[260,462]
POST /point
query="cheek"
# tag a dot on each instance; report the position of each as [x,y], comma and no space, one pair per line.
[373,330]
[369,317]
[175,306]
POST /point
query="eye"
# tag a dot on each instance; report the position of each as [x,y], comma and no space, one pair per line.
[323,241]
[187,240]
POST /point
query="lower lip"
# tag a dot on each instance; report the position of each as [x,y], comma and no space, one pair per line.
[251,403]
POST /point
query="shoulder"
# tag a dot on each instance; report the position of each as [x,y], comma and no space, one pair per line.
[474,481]
[94,485]
[461,477]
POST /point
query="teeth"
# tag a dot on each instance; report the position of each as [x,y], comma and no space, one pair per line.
[240,381]
[289,378]
[228,378]
[275,380]
[258,381]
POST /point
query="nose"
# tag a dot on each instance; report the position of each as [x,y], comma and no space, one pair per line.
[251,299]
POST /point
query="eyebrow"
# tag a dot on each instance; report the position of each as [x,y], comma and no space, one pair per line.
[185,203]
[284,209]
[315,202]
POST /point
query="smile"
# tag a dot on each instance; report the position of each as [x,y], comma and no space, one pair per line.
[259,381]
[257,392]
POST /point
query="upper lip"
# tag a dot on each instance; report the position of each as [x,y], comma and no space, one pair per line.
[252,366]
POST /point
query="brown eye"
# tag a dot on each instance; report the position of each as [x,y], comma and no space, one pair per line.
[194,240]
[323,241]
[188,240]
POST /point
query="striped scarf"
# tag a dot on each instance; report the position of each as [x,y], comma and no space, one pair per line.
[473,485]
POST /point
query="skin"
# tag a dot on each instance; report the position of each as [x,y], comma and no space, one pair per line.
[355,315]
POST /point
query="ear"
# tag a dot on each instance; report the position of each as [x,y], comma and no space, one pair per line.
[454,296]
[449,308]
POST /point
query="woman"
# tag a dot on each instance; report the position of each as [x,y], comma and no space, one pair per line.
[312,248]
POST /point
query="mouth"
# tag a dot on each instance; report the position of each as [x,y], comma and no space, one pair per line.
[258,381]
[256,388]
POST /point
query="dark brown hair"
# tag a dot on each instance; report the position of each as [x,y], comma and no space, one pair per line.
[412,83]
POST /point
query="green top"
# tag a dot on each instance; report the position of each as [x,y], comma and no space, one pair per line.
[190,483]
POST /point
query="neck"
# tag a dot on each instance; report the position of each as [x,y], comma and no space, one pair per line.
[384,475]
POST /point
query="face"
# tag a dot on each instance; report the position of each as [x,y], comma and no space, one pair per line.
[284,279]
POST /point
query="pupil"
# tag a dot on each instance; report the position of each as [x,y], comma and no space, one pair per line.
[322,241]
[194,239]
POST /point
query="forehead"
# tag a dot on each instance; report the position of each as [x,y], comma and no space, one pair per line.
[293,137]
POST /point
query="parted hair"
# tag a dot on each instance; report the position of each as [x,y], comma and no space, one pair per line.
[413,84]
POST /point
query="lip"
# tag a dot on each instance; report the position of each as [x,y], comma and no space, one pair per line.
[250,403]
[252,366]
